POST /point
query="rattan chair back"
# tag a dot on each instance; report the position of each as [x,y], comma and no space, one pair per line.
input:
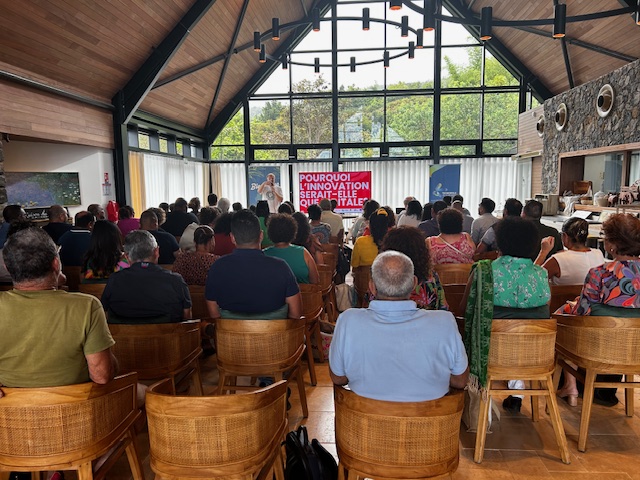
[453,272]
[94,289]
[198,302]
[454,293]
[361,277]
[330,259]
[560,294]
[331,248]
[312,309]
[73,277]
[588,346]
[379,439]
[217,436]
[255,348]
[522,349]
[328,294]
[156,351]
[65,428]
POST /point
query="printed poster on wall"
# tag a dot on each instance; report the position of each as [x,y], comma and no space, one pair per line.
[443,180]
[350,189]
[264,184]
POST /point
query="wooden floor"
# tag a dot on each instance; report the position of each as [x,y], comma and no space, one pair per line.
[517,448]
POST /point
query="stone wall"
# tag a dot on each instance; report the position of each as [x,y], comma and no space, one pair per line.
[3,189]
[585,129]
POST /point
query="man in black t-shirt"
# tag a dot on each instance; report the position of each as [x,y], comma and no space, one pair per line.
[167,243]
[178,219]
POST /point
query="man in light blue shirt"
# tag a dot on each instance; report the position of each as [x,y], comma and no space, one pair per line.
[392,350]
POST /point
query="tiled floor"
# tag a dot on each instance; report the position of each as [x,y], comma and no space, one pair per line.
[516,449]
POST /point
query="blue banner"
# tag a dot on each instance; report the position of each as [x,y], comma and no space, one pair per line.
[264,184]
[443,180]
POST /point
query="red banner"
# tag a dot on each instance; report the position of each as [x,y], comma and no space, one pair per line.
[350,189]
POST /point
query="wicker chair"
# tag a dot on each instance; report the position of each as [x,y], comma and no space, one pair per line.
[522,349]
[397,440]
[94,289]
[561,293]
[361,277]
[328,294]
[157,351]
[198,302]
[330,259]
[66,428]
[606,345]
[312,312]
[217,437]
[450,273]
[73,277]
[256,348]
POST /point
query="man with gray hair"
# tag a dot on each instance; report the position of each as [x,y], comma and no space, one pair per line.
[392,350]
[49,337]
[145,292]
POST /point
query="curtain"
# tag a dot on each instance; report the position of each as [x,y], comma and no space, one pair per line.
[216,179]
[233,182]
[137,182]
[167,178]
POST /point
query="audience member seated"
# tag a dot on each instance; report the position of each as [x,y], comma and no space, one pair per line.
[16,226]
[611,289]
[362,222]
[194,266]
[322,231]
[282,231]
[57,225]
[194,205]
[519,289]
[97,211]
[570,266]
[285,208]
[428,293]
[212,200]
[262,211]
[304,238]
[126,221]
[248,284]
[430,227]
[224,204]
[222,229]
[405,202]
[412,216]
[533,211]
[178,219]
[105,254]
[145,292]
[481,224]
[236,206]
[366,247]
[49,337]
[161,212]
[459,198]
[10,214]
[467,220]
[365,349]
[452,245]
[488,243]
[208,217]
[75,243]
[427,210]
[332,219]
[169,248]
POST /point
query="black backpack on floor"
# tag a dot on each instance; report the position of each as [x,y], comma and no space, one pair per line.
[308,461]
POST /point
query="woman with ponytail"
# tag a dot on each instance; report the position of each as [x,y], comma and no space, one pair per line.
[570,266]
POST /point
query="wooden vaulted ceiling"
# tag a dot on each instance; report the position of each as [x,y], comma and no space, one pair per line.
[93,48]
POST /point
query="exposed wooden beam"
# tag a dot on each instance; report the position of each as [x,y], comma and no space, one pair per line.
[227,59]
[130,97]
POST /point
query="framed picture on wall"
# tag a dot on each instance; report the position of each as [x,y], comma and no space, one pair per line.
[34,189]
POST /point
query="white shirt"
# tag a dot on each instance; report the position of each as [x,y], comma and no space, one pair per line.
[574,266]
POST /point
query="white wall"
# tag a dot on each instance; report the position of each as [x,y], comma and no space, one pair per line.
[91,163]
